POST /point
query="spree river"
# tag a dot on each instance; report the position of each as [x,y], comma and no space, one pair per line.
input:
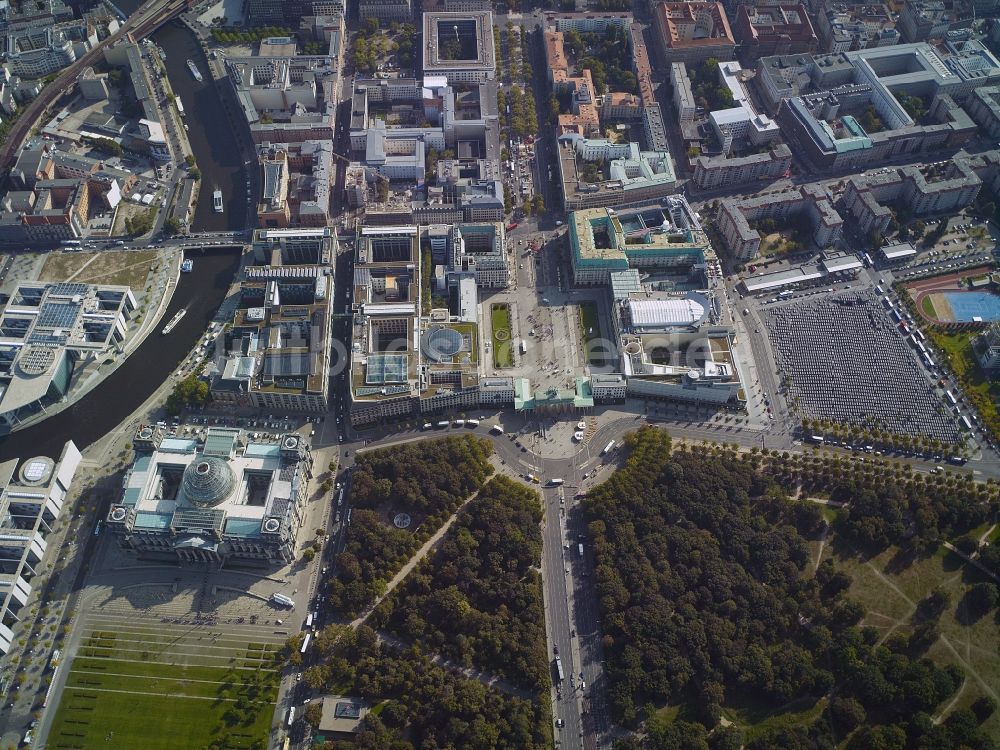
[201,292]
[215,145]
[101,410]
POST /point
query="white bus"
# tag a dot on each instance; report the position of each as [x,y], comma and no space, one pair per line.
[309,620]
[472,423]
[305,642]
[496,429]
[559,669]
[524,347]
[556,482]
[966,424]
[283,600]
[608,448]
[951,398]
[291,716]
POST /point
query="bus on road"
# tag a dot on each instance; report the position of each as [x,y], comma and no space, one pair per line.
[608,448]
[559,669]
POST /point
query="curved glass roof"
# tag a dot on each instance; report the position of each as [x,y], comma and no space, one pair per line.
[208,481]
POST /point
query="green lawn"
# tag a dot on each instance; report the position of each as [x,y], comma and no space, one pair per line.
[503,348]
[889,594]
[590,332]
[119,703]
[927,306]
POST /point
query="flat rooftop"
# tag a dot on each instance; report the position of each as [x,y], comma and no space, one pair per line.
[459,41]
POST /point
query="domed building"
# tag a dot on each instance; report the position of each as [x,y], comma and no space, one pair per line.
[228,499]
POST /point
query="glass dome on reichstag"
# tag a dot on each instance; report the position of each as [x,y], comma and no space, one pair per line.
[208,481]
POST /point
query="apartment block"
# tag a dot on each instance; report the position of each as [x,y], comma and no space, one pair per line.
[810,201]
[715,172]
[984,107]
[680,84]
[920,20]
[943,187]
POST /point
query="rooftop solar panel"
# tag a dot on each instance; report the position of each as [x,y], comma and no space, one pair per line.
[58,315]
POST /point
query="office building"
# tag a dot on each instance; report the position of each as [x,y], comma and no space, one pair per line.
[285,100]
[773,30]
[386,11]
[650,238]
[49,334]
[693,32]
[459,46]
[295,184]
[632,176]
[32,498]
[278,344]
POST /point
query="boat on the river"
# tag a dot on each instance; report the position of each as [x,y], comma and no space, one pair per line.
[173,322]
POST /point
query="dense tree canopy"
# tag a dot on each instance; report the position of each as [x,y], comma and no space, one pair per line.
[705,601]
[431,708]
[426,480]
[478,601]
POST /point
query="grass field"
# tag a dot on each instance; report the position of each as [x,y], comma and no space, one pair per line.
[503,348]
[114,267]
[590,332]
[927,307]
[154,691]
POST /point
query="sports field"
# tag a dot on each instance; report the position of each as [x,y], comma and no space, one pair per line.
[153,690]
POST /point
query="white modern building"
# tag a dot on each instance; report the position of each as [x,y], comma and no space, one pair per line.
[49,332]
[740,122]
[32,497]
